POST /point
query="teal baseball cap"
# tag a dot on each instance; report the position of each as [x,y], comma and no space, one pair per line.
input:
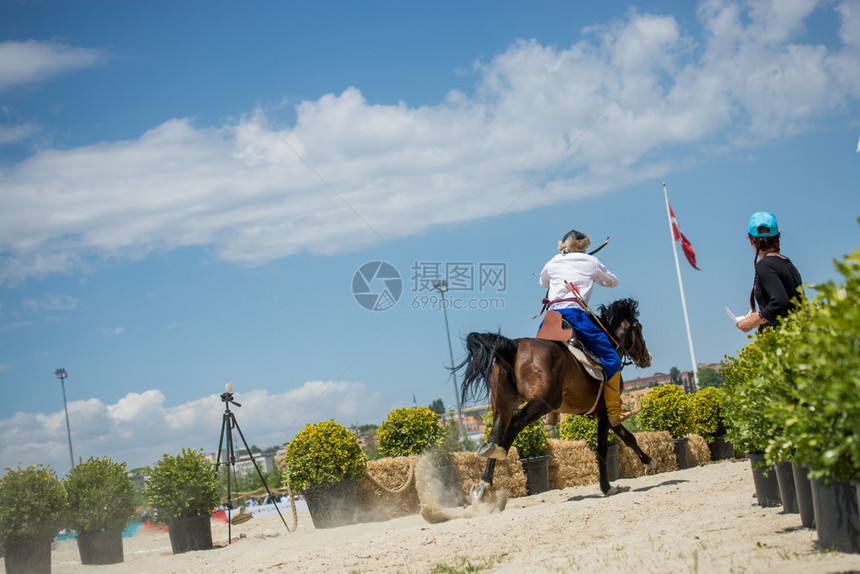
[763,224]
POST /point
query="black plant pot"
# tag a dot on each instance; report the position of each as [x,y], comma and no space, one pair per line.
[837,519]
[681,452]
[333,505]
[803,489]
[103,547]
[612,462]
[536,470]
[764,477]
[27,556]
[721,449]
[787,491]
[191,533]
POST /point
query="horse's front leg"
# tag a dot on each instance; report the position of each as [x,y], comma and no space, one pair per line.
[630,440]
[487,477]
[602,448]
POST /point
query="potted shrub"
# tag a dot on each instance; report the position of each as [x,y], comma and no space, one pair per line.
[532,445]
[101,502]
[409,431]
[323,462]
[417,431]
[818,360]
[576,427]
[708,422]
[182,491]
[31,514]
[667,408]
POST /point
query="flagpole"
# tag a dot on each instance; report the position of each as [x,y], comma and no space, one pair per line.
[681,286]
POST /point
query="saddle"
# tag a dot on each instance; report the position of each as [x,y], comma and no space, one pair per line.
[555,328]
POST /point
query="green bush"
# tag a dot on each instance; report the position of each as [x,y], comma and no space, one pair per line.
[322,454]
[817,368]
[409,431]
[182,486]
[33,504]
[749,389]
[667,408]
[577,427]
[101,497]
[708,413]
[531,442]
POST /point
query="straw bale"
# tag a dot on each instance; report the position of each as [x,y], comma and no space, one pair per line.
[388,491]
[657,445]
[571,463]
[508,474]
[698,452]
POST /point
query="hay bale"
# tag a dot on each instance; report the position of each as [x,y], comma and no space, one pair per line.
[508,474]
[657,445]
[698,452]
[388,491]
[571,463]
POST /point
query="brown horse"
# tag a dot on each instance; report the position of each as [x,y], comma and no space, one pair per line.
[544,375]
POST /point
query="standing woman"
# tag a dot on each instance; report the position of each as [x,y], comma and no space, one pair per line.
[777,280]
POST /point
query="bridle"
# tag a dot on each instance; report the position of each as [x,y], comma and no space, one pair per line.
[624,353]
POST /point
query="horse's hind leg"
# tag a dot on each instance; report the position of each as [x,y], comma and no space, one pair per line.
[630,440]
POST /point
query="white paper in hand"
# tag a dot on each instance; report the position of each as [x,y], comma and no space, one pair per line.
[732,316]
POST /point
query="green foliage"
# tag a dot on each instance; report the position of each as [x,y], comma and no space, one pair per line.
[667,408]
[674,375]
[818,380]
[182,486]
[750,386]
[409,431]
[100,495]
[322,454]
[708,413]
[710,378]
[33,504]
[793,392]
[437,407]
[532,440]
[576,427]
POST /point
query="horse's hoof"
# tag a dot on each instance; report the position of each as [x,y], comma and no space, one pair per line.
[616,490]
[476,492]
[654,466]
[492,450]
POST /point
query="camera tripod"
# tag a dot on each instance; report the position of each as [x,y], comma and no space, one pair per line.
[228,423]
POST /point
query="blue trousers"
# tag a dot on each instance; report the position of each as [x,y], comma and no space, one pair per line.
[595,339]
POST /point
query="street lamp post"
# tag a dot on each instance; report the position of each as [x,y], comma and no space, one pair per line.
[442,287]
[61,374]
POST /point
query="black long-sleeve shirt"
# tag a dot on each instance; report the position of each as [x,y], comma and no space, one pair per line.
[777,280]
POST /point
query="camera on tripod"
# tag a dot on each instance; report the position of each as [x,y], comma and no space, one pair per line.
[228,396]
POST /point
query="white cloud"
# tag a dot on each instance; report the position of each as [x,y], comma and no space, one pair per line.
[15,134]
[349,172]
[34,61]
[139,428]
[51,302]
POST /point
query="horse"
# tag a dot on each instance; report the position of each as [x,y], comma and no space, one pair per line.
[545,376]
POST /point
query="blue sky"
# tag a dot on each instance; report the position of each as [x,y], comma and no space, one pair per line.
[188,189]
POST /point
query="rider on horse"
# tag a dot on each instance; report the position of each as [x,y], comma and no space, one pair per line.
[573,266]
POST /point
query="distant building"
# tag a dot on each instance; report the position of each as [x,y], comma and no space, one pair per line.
[635,389]
[245,464]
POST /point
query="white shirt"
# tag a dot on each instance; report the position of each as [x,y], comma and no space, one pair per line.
[581,269]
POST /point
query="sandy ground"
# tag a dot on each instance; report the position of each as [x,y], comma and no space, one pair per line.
[703,519]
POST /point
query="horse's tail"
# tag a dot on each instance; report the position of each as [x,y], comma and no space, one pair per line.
[485,349]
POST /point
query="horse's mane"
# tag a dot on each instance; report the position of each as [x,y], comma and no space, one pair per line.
[618,311]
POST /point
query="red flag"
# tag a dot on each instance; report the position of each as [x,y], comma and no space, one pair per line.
[685,243]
